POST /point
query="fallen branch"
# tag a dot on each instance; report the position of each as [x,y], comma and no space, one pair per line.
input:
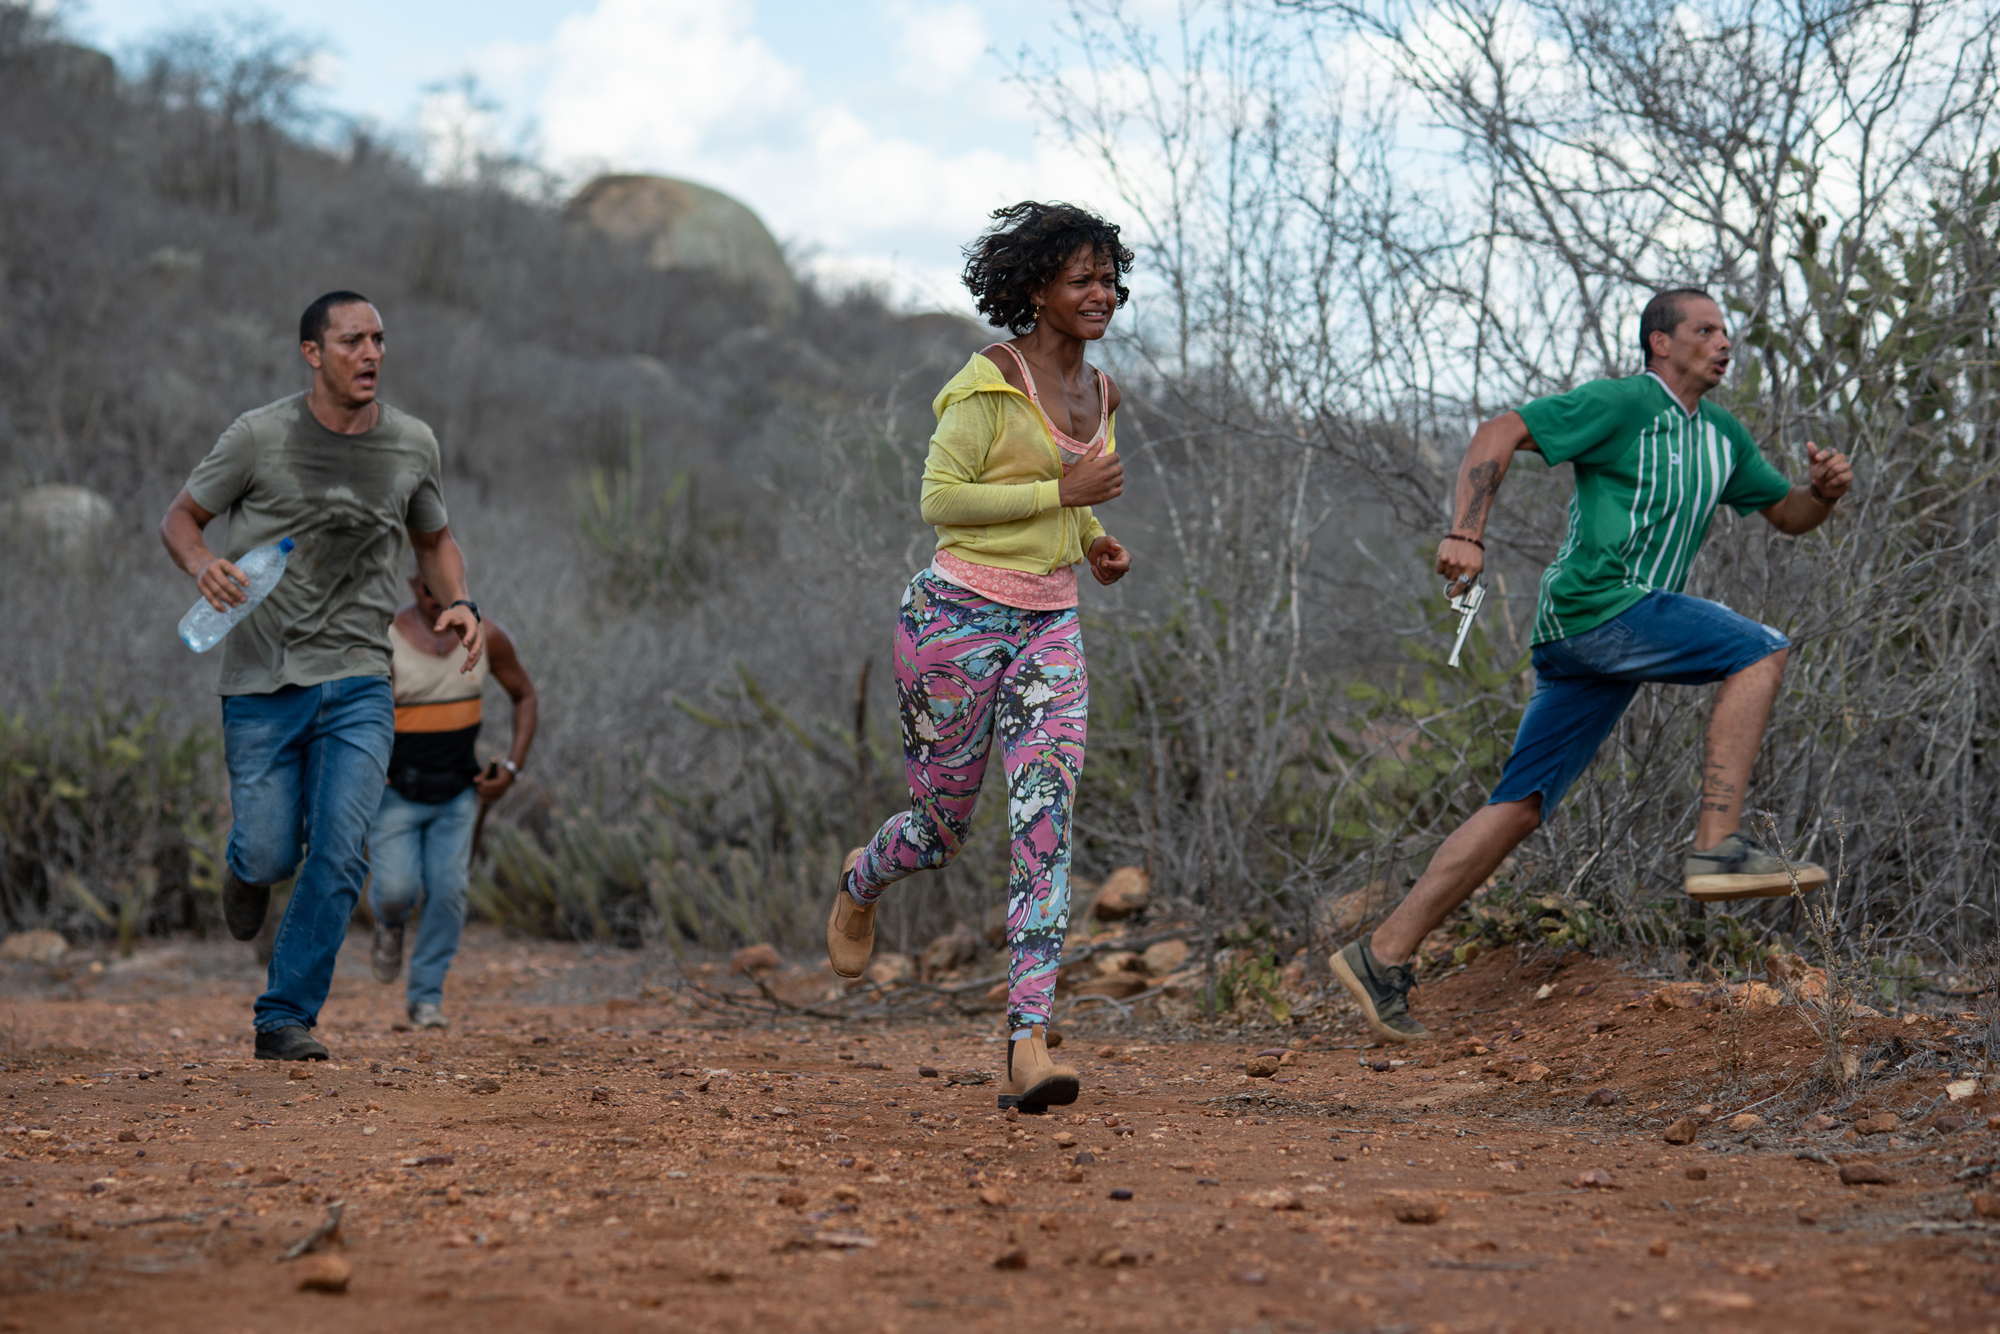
[326,1231]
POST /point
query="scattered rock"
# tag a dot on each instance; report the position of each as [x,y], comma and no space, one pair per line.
[1682,1131]
[1111,1257]
[792,1198]
[1337,917]
[43,947]
[1421,1211]
[927,1072]
[1121,1193]
[1126,891]
[1115,961]
[1723,1300]
[1961,1089]
[891,970]
[299,1070]
[1605,1097]
[1117,986]
[1745,1121]
[956,947]
[1261,1067]
[486,1085]
[1865,1174]
[1949,1124]
[1696,1174]
[1544,991]
[1084,1158]
[995,1197]
[1015,1257]
[1820,1124]
[753,959]
[1801,978]
[1534,1072]
[1882,1123]
[1270,1199]
[969,1077]
[1164,957]
[1659,1248]
[325,1273]
[1595,1179]
[1064,1140]
[1986,1206]
[128,1137]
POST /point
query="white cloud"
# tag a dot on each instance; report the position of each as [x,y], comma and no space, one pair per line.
[880,180]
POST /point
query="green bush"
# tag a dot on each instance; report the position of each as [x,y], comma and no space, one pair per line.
[107,821]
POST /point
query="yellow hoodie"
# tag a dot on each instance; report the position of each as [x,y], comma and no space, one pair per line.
[991,478]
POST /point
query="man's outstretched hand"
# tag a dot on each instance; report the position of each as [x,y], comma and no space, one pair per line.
[1829,474]
[461,622]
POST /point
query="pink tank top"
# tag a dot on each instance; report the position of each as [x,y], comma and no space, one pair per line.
[1055,590]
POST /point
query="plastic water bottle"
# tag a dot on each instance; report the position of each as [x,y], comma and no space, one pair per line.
[203,627]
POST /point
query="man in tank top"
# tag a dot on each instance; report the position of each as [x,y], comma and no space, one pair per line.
[306,711]
[421,842]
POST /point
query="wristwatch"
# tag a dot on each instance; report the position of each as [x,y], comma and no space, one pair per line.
[511,767]
[468,602]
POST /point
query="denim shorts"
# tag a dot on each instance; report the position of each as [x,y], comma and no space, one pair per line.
[1583,683]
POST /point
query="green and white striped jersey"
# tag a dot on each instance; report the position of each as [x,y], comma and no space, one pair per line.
[1649,475]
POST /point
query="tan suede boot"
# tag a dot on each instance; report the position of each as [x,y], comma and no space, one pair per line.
[850,928]
[1034,1082]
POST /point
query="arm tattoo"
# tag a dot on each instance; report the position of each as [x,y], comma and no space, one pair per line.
[1485,482]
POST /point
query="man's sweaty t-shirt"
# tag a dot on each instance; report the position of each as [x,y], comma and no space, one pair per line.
[1649,475]
[346,501]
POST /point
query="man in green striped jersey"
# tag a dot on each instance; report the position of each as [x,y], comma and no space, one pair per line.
[1652,462]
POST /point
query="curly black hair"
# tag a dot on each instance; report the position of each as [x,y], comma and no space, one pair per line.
[1026,250]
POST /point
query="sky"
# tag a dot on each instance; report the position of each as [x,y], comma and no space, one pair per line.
[872,136]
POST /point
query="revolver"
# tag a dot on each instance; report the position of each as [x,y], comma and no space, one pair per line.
[1466,604]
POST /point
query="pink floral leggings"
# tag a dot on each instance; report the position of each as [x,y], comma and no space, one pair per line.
[966,667]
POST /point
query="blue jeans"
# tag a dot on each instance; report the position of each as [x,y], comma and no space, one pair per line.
[306,768]
[421,846]
[1584,682]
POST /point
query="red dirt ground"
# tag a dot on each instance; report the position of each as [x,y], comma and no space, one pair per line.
[639,1163]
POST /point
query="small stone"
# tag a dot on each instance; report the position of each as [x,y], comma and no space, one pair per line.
[1986,1206]
[43,947]
[1696,1174]
[1271,1199]
[847,1194]
[1820,1124]
[1745,1121]
[1421,1211]
[792,1199]
[1532,1073]
[1882,1123]
[1084,1158]
[1064,1140]
[1164,957]
[1658,1249]
[1806,1219]
[1121,1193]
[1961,1089]
[300,1070]
[486,1085]
[753,959]
[1595,1179]
[1261,1067]
[1126,891]
[927,1072]
[1681,1131]
[1106,1053]
[1544,991]
[1723,1300]
[1865,1174]
[128,1137]
[1605,1097]
[325,1273]
[995,1197]
[1252,1277]
[1013,1258]
[1111,1257]
[1948,1124]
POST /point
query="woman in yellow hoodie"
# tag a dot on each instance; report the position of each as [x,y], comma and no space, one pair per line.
[988,638]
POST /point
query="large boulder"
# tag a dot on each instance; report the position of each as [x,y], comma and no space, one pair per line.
[681,225]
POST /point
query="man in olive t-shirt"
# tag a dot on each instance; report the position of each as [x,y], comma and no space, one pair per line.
[1652,460]
[307,714]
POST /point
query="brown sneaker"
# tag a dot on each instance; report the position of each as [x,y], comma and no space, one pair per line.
[850,928]
[1034,1082]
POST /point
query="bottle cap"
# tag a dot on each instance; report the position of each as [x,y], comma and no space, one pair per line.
[285,544]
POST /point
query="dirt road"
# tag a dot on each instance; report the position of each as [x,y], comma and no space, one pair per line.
[574,1154]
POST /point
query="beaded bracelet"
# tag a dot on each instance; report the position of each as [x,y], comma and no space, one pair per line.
[1461,537]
